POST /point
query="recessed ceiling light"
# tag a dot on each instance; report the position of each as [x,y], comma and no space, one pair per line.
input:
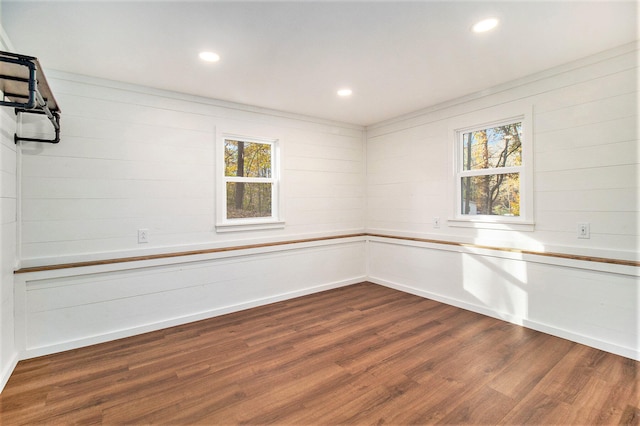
[485,25]
[209,56]
[345,92]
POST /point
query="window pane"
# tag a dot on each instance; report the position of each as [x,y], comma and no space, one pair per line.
[247,159]
[248,200]
[491,195]
[494,147]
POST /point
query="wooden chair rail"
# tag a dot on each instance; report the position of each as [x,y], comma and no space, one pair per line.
[520,251]
[310,240]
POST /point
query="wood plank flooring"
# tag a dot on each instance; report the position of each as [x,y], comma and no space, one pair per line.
[362,354]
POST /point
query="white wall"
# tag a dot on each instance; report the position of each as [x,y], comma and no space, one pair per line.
[8,206]
[69,308]
[133,157]
[585,160]
[585,146]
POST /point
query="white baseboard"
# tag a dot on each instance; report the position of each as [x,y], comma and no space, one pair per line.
[544,328]
[93,340]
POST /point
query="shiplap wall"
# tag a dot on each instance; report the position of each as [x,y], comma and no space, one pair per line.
[8,206]
[585,160]
[585,145]
[69,308]
[132,157]
[135,158]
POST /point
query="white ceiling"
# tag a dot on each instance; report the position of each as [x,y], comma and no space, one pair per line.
[398,57]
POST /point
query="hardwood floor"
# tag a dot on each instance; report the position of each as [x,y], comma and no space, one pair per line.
[362,354]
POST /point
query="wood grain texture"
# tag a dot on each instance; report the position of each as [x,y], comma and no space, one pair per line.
[361,354]
[519,251]
[318,239]
[180,254]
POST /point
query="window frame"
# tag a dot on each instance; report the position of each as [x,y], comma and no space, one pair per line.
[225,224]
[481,120]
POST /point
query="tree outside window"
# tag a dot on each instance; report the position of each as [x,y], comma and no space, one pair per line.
[490,170]
[248,179]
[249,184]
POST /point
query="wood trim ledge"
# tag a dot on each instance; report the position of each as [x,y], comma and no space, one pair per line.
[513,250]
[310,240]
[179,254]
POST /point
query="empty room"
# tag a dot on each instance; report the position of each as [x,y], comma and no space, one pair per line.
[319,212]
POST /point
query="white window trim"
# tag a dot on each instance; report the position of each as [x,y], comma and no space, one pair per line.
[484,119]
[275,221]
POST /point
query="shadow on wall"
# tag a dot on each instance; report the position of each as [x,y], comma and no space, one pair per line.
[579,304]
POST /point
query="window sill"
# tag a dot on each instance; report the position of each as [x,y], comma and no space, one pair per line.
[249,226]
[492,224]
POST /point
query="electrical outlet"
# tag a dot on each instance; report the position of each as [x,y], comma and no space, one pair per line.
[436,222]
[584,230]
[143,236]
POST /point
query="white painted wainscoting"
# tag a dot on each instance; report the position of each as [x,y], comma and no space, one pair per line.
[592,303]
[8,230]
[70,308]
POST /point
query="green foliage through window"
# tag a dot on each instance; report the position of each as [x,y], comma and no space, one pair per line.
[490,175]
[247,159]
[249,179]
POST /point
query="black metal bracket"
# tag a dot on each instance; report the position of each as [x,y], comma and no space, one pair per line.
[23,91]
[55,140]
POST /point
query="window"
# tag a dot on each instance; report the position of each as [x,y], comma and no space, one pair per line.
[248,184]
[492,175]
